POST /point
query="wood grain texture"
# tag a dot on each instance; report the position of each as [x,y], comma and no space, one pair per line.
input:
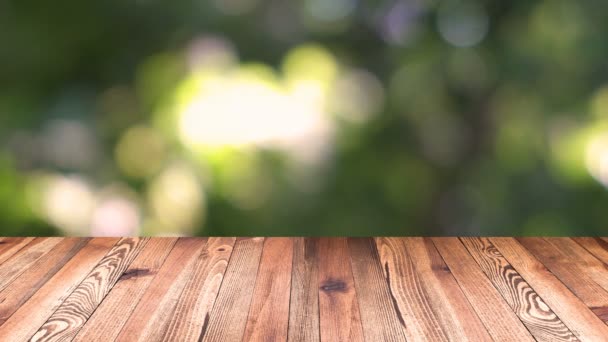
[73,313]
[596,246]
[340,319]
[485,300]
[269,309]
[583,260]
[411,299]
[303,289]
[229,315]
[10,246]
[560,260]
[126,294]
[24,323]
[23,287]
[24,258]
[196,302]
[378,311]
[581,321]
[596,267]
[531,309]
[458,318]
[151,316]
[304,302]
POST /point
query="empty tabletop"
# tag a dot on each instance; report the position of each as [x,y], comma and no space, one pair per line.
[303,289]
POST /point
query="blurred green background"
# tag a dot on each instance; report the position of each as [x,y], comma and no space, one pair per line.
[312,117]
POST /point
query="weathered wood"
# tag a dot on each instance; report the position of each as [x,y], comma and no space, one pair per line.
[23,287]
[10,246]
[596,246]
[195,304]
[597,270]
[269,309]
[229,315]
[24,323]
[304,302]
[410,298]
[480,292]
[26,257]
[458,319]
[378,311]
[151,316]
[583,323]
[303,289]
[126,294]
[340,319]
[531,309]
[570,272]
[73,313]
[584,259]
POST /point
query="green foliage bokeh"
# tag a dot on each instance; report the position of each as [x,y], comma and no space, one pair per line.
[501,136]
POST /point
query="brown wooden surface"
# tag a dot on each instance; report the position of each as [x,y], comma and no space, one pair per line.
[457,316]
[151,316]
[529,307]
[304,297]
[485,300]
[269,309]
[340,319]
[303,289]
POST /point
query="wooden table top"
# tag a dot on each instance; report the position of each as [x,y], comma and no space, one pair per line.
[303,289]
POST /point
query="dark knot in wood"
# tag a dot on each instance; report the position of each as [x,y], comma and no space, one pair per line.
[136,273]
[334,286]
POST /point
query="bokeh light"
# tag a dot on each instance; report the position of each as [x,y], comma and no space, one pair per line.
[356,96]
[400,23]
[462,22]
[116,214]
[176,200]
[252,105]
[267,117]
[599,103]
[68,203]
[140,152]
[596,158]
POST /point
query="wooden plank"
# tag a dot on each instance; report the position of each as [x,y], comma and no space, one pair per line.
[151,316]
[23,287]
[196,302]
[304,301]
[10,246]
[269,309]
[229,315]
[26,257]
[378,311]
[566,268]
[412,301]
[581,321]
[32,314]
[531,309]
[591,255]
[458,318]
[73,313]
[340,319]
[596,246]
[305,289]
[587,263]
[126,294]
[497,316]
